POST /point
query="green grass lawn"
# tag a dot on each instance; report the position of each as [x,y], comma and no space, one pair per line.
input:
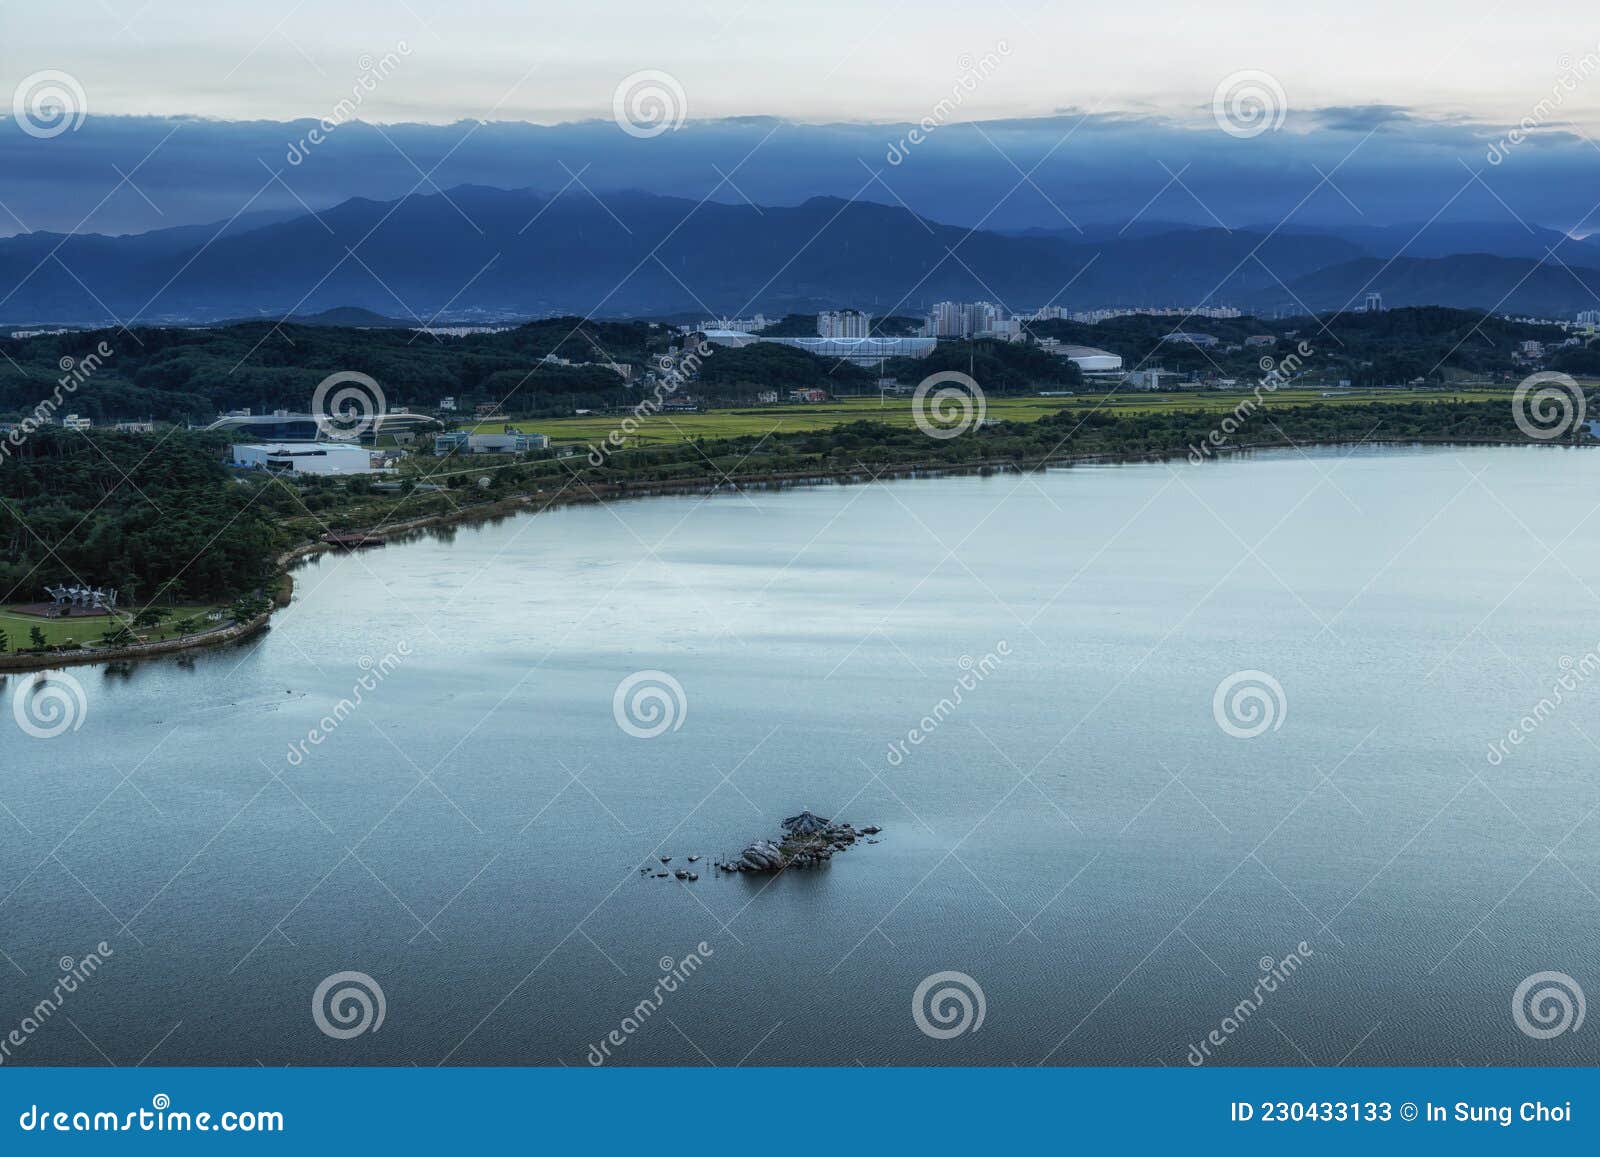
[896,411]
[88,631]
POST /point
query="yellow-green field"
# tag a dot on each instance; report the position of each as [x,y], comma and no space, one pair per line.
[896,411]
[89,630]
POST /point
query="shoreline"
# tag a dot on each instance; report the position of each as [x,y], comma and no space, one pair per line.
[18,663]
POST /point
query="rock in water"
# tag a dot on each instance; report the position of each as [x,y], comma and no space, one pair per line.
[809,841]
[807,823]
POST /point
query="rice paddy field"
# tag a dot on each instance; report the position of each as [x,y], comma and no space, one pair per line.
[897,411]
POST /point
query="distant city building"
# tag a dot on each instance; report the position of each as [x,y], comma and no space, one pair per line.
[844,323]
[968,319]
[736,324]
[808,395]
[447,404]
[1184,337]
[1374,303]
[135,427]
[1260,339]
[74,422]
[1589,317]
[1092,316]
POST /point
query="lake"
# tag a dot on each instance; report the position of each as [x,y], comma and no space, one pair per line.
[1138,737]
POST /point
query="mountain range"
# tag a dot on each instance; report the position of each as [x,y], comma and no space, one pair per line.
[473,252]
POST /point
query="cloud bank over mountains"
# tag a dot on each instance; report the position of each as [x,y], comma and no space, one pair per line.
[1371,165]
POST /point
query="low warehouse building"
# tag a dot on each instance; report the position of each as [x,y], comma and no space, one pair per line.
[306,457]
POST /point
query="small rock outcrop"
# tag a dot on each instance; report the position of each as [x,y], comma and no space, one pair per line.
[809,841]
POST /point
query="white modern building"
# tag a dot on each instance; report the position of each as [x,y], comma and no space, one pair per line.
[508,442]
[733,338]
[1152,379]
[325,458]
[282,426]
[860,351]
[1089,359]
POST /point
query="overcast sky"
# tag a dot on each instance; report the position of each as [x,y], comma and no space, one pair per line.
[818,60]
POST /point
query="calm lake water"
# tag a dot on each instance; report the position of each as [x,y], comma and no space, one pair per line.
[1079,836]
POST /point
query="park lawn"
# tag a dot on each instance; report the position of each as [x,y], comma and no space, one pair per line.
[88,631]
[663,428]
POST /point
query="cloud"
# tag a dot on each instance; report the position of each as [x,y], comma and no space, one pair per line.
[1388,164]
